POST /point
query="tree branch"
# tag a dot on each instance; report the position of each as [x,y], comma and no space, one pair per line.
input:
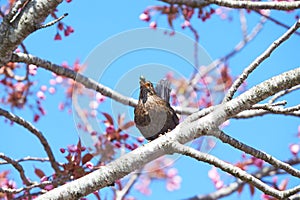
[238,47]
[17,166]
[85,81]
[183,133]
[255,113]
[233,187]
[28,158]
[37,133]
[176,147]
[282,93]
[13,32]
[256,153]
[238,4]
[259,60]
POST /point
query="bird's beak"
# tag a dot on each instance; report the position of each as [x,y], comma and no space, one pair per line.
[142,80]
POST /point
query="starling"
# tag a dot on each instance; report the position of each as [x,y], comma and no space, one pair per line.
[153,115]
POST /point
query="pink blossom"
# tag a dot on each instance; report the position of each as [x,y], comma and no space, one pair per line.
[117,144]
[51,90]
[41,95]
[257,162]
[32,69]
[264,11]
[48,187]
[294,148]
[69,30]
[89,165]
[43,88]
[59,79]
[93,104]
[125,136]
[110,129]
[36,118]
[213,174]
[72,148]
[219,184]
[93,133]
[215,177]
[140,139]
[134,145]
[52,82]
[99,97]
[169,75]
[12,184]
[57,37]
[93,113]
[172,172]
[144,17]
[186,23]
[64,64]
[153,25]
[143,186]
[174,183]
[61,106]
[19,86]
[60,26]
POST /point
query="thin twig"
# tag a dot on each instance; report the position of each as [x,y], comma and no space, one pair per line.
[255,113]
[33,185]
[120,194]
[259,60]
[275,21]
[36,132]
[27,159]
[282,93]
[261,106]
[243,21]
[252,5]
[17,166]
[274,109]
[52,22]
[254,32]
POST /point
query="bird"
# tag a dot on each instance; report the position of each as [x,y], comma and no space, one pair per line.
[153,114]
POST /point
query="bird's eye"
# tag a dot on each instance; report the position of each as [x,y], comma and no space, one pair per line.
[148,85]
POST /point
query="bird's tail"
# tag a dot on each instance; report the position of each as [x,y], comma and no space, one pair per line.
[163,89]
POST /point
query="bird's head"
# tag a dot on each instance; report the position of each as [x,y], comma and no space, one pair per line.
[146,89]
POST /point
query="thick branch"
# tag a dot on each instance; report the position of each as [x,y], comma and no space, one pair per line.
[85,81]
[12,33]
[183,133]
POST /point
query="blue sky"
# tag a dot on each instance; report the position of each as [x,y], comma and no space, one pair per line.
[95,22]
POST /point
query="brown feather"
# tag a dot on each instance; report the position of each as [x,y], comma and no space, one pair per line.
[153,115]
